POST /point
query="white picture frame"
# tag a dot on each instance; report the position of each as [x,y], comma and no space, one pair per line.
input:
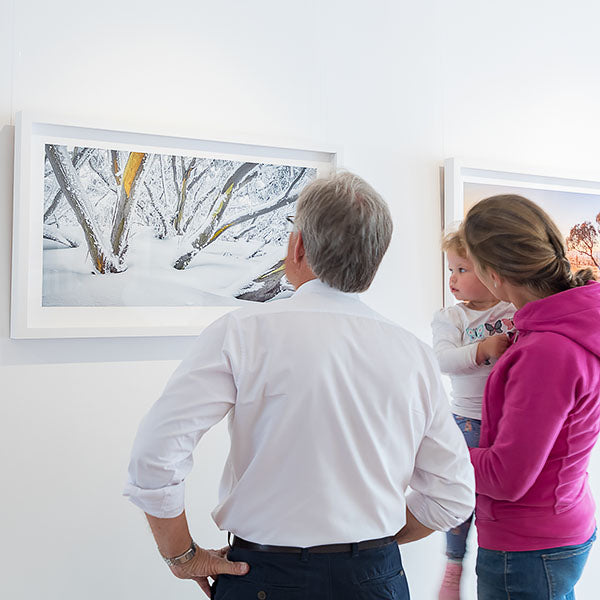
[29,317]
[568,199]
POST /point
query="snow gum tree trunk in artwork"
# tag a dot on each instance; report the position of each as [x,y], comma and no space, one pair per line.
[138,164]
[54,235]
[80,156]
[71,187]
[216,215]
[287,198]
[183,197]
[115,167]
[266,286]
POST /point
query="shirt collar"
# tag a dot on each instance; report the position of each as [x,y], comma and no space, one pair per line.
[316,286]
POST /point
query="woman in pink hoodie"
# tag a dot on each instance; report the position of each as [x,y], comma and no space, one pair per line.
[541,408]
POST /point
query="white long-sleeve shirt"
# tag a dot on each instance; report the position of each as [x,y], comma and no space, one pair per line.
[333,412]
[457,331]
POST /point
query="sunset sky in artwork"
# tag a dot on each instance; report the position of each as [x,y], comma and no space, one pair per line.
[566,208]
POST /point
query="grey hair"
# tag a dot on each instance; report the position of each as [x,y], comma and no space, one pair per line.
[346,229]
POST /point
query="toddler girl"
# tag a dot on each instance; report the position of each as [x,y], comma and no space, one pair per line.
[467,339]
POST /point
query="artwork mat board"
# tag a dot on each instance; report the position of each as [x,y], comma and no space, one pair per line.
[458,172]
[31,320]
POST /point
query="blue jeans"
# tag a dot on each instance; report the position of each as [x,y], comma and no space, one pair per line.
[362,575]
[532,575]
[456,539]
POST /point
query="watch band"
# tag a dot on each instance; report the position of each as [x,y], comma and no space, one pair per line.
[182,558]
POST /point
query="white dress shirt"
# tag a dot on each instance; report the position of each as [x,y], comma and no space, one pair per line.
[457,331]
[333,412]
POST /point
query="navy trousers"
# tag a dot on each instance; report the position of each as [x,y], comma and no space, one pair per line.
[371,574]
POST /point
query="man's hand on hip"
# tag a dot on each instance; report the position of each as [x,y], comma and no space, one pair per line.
[209,563]
[173,538]
[412,531]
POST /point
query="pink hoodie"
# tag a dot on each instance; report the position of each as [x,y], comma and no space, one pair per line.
[541,419]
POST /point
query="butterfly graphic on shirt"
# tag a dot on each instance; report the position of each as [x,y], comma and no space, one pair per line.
[495,328]
[484,330]
[475,333]
[509,324]
[510,330]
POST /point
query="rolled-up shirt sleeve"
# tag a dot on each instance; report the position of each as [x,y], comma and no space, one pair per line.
[442,486]
[199,394]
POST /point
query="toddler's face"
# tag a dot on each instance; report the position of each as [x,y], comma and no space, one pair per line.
[464,284]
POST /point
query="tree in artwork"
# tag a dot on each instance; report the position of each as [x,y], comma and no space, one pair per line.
[101,204]
[584,238]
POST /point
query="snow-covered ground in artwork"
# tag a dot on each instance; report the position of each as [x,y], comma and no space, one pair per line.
[214,277]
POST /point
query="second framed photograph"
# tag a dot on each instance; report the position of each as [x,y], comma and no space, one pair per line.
[124,234]
[573,203]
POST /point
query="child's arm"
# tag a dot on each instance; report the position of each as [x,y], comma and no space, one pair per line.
[492,347]
[455,358]
[452,356]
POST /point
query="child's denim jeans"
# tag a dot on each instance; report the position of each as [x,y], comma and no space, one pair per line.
[456,539]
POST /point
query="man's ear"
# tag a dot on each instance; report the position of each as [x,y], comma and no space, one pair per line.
[299,248]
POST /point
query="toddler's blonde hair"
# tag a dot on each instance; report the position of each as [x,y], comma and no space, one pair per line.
[454,242]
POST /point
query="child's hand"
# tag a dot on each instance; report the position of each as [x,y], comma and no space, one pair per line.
[492,347]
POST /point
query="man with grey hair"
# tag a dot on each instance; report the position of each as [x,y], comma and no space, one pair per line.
[334,412]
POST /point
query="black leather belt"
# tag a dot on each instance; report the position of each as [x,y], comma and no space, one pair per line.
[329,548]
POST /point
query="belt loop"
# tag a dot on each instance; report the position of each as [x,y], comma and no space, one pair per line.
[354,550]
[304,555]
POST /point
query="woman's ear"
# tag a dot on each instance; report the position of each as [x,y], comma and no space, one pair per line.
[496,279]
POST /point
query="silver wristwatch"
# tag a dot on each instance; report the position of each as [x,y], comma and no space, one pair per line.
[182,558]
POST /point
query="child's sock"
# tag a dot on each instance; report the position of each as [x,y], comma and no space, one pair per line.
[450,588]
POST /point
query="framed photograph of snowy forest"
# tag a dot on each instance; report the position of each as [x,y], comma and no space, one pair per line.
[130,234]
[573,203]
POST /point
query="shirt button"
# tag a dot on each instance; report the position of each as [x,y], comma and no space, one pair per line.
[261,595]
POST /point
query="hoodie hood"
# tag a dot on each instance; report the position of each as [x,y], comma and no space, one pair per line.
[574,314]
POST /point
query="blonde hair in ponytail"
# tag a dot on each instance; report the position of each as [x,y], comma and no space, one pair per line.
[516,238]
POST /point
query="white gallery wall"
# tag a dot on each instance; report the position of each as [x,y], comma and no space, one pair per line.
[398,85]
